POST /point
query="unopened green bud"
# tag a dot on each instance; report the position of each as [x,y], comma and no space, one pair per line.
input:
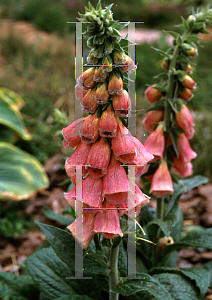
[108,46]
[191,20]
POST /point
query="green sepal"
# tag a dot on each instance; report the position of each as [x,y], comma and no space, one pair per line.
[172,33]
[185,23]
[161,52]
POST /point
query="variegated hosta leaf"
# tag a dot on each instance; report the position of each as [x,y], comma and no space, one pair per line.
[10,116]
[21,175]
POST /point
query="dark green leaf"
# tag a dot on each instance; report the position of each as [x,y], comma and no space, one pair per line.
[169,261]
[200,239]
[177,286]
[192,38]
[174,138]
[156,106]
[53,216]
[122,262]
[147,284]
[161,52]
[77,297]
[185,23]
[208,267]
[49,273]
[173,33]
[15,287]
[120,26]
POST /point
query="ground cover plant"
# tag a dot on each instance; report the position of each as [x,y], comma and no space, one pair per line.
[106,151]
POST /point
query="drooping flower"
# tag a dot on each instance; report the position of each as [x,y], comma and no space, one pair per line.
[108,123]
[129,65]
[79,157]
[99,75]
[188,82]
[88,101]
[90,130]
[184,118]
[186,94]
[182,168]
[115,182]
[119,57]
[155,142]
[152,95]
[184,148]
[85,80]
[152,118]
[85,236]
[123,145]
[161,184]
[101,95]
[98,158]
[115,85]
[71,134]
[122,104]
[80,92]
[107,223]
[142,157]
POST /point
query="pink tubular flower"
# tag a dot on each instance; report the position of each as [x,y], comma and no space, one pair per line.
[142,157]
[79,92]
[184,148]
[189,133]
[122,104]
[85,237]
[155,142]
[108,123]
[123,145]
[115,182]
[152,118]
[85,80]
[115,85]
[161,184]
[130,66]
[101,95]
[90,130]
[79,157]
[99,75]
[188,82]
[182,168]
[136,199]
[108,223]
[119,57]
[71,134]
[98,158]
[184,118]
[88,102]
[185,95]
[152,95]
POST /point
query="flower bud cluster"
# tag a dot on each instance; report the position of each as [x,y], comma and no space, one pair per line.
[103,144]
[169,120]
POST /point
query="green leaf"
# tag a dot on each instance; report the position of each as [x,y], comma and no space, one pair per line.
[6,135]
[10,115]
[116,33]
[148,284]
[156,106]
[177,286]
[120,26]
[63,244]
[185,23]
[200,275]
[161,52]
[53,216]
[192,38]
[49,273]
[174,137]
[173,33]
[208,267]
[21,175]
[200,239]
[18,100]
[15,287]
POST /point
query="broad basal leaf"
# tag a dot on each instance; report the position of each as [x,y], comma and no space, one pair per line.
[10,116]
[21,175]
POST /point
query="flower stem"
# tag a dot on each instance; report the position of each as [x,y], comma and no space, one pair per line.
[113,272]
[160,208]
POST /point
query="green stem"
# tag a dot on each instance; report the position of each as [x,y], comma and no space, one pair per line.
[113,272]
[160,208]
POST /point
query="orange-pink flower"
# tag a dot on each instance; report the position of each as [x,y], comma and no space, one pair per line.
[155,142]
[152,95]
[115,85]
[71,134]
[184,148]
[85,80]
[98,158]
[90,130]
[188,82]
[88,102]
[108,123]
[186,94]
[184,120]
[182,168]
[101,95]
[122,104]
[152,118]
[161,184]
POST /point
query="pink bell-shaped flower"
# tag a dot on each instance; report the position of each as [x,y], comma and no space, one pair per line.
[184,148]
[107,223]
[129,65]
[85,237]
[101,95]
[186,94]
[161,184]
[88,102]
[71,134]
[79,157]
[155,142]
[80,92]
[115,182]
[184,118]
[152,118]
[182,168]
[188,82]
[123,145]
[152,95]
[108,123]
[85,80]
[98,158]
[142,157]
[122,104]
[90,130]
[99,75]
[189,133]
[115,85]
